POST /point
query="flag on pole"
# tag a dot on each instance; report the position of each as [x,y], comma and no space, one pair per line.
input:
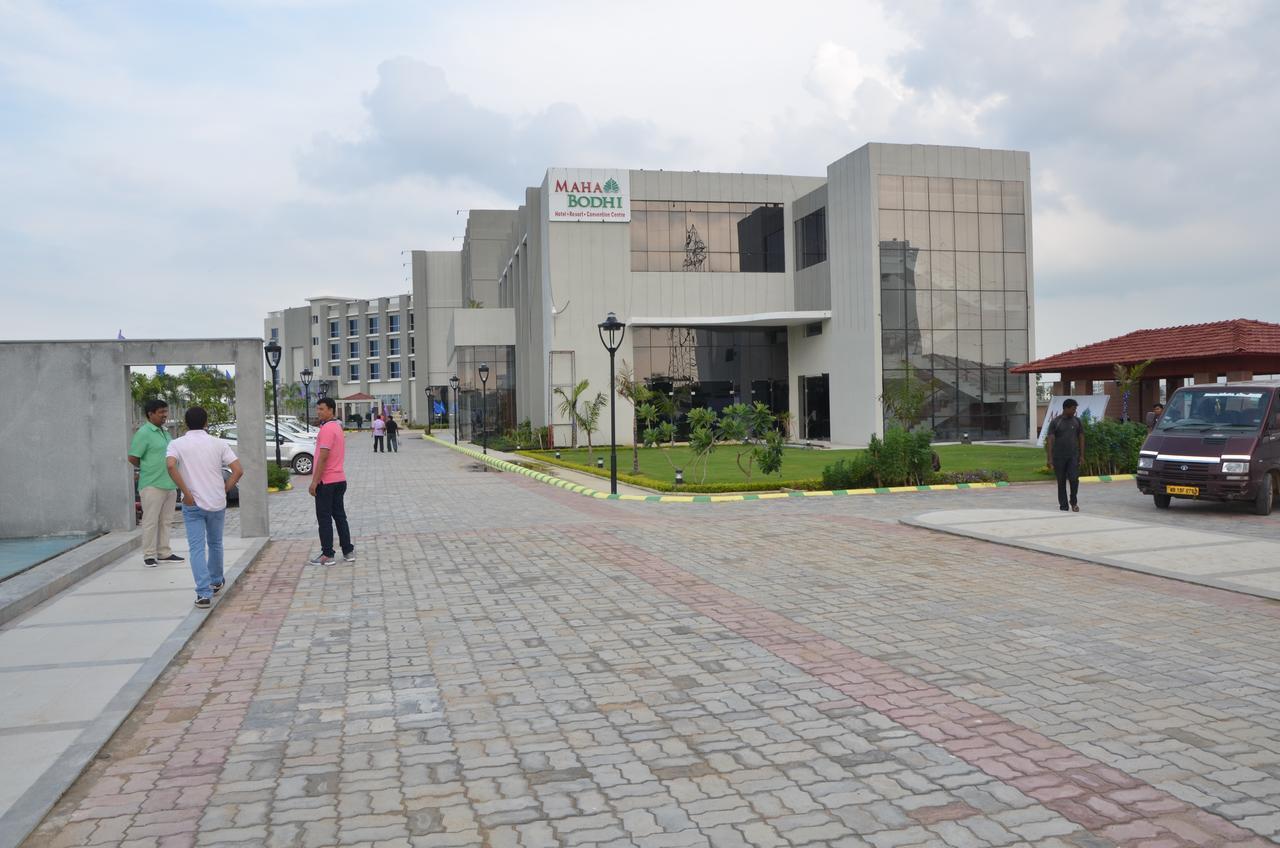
[119,335]
[159,370]
[228,373]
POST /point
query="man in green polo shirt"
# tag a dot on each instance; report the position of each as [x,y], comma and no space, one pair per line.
[156,488]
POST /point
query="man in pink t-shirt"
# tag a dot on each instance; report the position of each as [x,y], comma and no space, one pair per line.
[329,485]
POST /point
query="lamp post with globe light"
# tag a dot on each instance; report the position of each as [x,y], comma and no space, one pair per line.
[612,332]
[453,416]
[272,351]
[484,407]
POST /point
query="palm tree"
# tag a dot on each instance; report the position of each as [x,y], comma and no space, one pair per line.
[568,407]
[638,394]
[590,418]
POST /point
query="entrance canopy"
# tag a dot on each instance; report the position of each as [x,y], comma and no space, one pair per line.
[757,319]
[1238,349]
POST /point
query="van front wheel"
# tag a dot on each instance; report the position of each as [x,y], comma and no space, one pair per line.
[1266,495]
[1162,501]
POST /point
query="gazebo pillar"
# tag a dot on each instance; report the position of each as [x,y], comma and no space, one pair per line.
[1239,376]
[1202,377]
[1084,387]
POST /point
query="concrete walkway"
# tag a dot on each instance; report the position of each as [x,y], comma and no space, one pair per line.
[1239,564]
[73,668]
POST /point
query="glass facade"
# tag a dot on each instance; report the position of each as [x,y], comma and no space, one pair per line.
[681,235]
[498,412]
[811,239]
[712,367]
[953,299]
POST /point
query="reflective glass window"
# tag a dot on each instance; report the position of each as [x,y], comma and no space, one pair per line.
[989,235]
[989,196]
[1015,344]
[375,348]
[942,231]
[639,231]
[1015,271]
[993,310]
[892,227]
[917,269]
[1011,199]
[992,270]
[965,193]
[968,310]
[1015,310]
[811,239]
[1015,233]
[993,347]
[890,193]
[940,194]
[892,266]
[915,193]
[917,228]
[640,261]
[966,231]
[893,309]
[944,309]
[893,349]
[942,269]
[967,271]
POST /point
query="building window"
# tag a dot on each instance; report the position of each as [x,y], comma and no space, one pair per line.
[353,350]
[953,300]
[393,323]
[678,235]
[334,350]
[814,329]
[315,319]
[373,325]
[413,368]
[353,326]
[275,334]
[315,363]
[811,239]
[375,371]
[393,347]
[335,371]
[411,344]
[411,321]
[375,348]
[353,372]
[333,329]
[394,370]
[315,340]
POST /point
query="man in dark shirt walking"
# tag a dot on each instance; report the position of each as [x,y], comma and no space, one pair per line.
[1065,446]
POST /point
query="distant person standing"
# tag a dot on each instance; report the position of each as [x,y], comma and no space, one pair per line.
[195,463]
[1154,416]
[379,434]
[392,428]
[329,486]
[1065,446]
[156,489]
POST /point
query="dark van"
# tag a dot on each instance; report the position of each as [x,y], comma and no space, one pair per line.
[1215,442]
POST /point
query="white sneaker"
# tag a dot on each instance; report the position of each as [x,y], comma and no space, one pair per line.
[349,556]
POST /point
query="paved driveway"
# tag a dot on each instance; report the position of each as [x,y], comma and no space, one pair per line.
[511,664]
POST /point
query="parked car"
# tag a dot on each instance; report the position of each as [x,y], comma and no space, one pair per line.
[1215,442]
[298,452]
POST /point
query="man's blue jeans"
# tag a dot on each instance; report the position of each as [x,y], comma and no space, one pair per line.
[204,527]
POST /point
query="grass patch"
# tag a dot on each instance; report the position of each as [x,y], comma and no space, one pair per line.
[801,467]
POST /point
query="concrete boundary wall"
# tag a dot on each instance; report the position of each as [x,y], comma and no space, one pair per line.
[64,439]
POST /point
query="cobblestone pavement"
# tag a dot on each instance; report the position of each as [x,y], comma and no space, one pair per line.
[508,664]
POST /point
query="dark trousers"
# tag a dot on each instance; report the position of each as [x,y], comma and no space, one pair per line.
[391,441]
[330,511]
[377,445]
[1067,469]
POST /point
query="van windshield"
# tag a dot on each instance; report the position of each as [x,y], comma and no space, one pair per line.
[1237,410]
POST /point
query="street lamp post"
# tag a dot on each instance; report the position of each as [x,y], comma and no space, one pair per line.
[484,406]
[612,331]
[453,416]
[272,352]
[305,376]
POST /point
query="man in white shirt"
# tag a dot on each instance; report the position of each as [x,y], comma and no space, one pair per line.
[195,463]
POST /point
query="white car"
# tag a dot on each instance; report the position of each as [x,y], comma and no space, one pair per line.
[299,452]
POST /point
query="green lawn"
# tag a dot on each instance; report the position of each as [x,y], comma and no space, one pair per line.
[799,463]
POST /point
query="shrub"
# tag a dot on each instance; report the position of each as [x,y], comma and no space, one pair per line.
[1111,447]
[901,458]
[852,473]
[277,476]
[979,475]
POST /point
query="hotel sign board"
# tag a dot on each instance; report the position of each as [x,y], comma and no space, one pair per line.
[598,195]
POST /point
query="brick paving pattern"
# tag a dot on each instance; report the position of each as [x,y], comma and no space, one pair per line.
[508,664]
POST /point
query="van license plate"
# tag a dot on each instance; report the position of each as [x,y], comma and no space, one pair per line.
[1182,490]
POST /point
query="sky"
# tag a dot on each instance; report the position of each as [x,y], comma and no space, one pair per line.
[181,169]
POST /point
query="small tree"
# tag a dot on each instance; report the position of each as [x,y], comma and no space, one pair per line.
[637,393]
[1129,378]
[702,436]
[568,407]
[590,418]
[752,426]
[906,397]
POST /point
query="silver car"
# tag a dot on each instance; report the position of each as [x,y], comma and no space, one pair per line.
[300,453]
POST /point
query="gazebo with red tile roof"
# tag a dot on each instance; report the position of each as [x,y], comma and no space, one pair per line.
[1192,353]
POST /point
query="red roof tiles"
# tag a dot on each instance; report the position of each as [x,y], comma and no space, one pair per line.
[1240,336]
